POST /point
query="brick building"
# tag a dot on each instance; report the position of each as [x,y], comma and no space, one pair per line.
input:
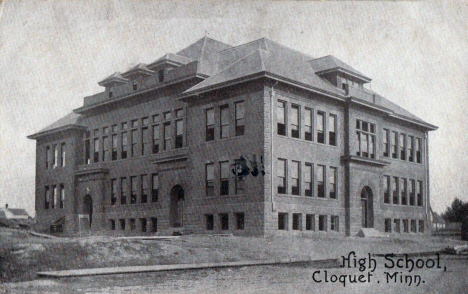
[256,139]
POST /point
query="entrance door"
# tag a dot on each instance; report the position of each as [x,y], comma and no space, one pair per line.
[367,208]
[364,212]
[88,208]
[177,206]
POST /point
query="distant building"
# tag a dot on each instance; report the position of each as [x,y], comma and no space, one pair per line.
[438,222]
[13,213]
[255,139]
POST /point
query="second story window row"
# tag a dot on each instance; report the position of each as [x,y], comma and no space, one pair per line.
[402,191]
[55,155]
[401,146]
[227,115]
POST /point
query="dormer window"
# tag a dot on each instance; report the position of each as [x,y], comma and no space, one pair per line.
[135,86]
[111,94]
[161,75]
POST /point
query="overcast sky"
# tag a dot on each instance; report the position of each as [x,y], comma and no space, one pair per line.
[53,53]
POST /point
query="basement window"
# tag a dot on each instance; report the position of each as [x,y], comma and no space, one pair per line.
[224,220]
[323,223]
[209,219]
[388,225]
[310,222]
[240,219]
[154,224]
[282,221]
[143,224]
[297,222]
[112,225]
[122,224]
[132,224]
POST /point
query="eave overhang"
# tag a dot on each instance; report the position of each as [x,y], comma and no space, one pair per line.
[56,130]
[114,79]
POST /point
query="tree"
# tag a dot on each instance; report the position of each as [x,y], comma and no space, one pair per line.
[457,211]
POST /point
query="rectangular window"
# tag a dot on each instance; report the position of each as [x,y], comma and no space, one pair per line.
[332,182]
[154,224]
[122,224]
[388,225]
[386,180]
[209,180]
[308,180]
[209,127]
[396,225]
[395,185]
[96,150]
[156,118]
[145,141]
[224,121]
[155,139]
[421,226]
[332,130]
[321,127]
[297,222]
[405,226]
[144,121]
[282,221]
[418,150]
[134,123]
[386,146]
[143,225]
[154,188]
[240,116]
[240,220]
[62,196]
[167,115]
[167,136]
[134,143]
[48,158]
[322,223]
[114,147]
[281,118]
[404,199]
[46,198]
[62,156]
[412,193]
[54,197]
[112,224]
[135,86]
[365,132]
[144,189]
[419,193]
[310,222]
[124,142]
[55,158]
[321,181]
[179,113]
[179,139]
[161,75]
[294,171]
[209,220]
[402,146]
[411,149]
[134,191]
[413,226]
[394,143]
[281,171]
[308,119]
[124,126]
[114,128]
[123,190]
[113,191]
[132,224]
[334,223]
[239,180]
[294,121]
[224,177]
[105,148]
[224,221]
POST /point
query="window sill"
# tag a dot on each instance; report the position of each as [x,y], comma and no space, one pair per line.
[307,141]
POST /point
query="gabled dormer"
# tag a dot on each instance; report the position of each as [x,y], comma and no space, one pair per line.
[116,79]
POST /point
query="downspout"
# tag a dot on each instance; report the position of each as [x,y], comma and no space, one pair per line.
[272,111]
[428,203]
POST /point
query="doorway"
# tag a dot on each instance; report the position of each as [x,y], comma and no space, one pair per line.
[177,206]
[88,208]
[367,207]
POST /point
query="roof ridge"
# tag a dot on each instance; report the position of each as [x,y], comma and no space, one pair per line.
[289,48]
[235,47]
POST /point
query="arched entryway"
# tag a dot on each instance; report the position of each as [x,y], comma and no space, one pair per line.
[88,208]
[367,207]
[177,206]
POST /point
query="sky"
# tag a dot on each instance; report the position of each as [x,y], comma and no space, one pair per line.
[53,53]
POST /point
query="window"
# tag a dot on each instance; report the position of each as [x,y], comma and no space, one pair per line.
[209,130]
[134,142]
[308,179]
[54,196]
[224,121]
[62,155]
[123,190]
[386,146]
[114,128]
[308,119]
[155,139]
[322,223]
[320,181]
[332,182]
[179,112]
[396,225]
[332,130]
[124,146]
[143,224]
[394,143]
[154,188]
[132,224]
[418,150]
[209,179]
[46,198]
[405,226]
[239,180]
[96,150]
[124,126]
[297,222]
[402,146]
[224,177]
[114,147]
[413,226]
[144,121]
[281,118]
[310,222]
[282,221]
[112,224]
[421,226]
[412,193]
[167,115]
[395,190]
[419,193]
[386,189]
[321,127]
[135,86]
[154,224]
[55,158]
[365,132]
[155,118]
[179,139]
[111,94]
[134,191]
[388,225]
[105,148]
[161,75]
[224,221]
[240,115]
[411,148]
[209,220]
[113,191]
[240,219]
[145,141]
[144,188]
[294,121]
[334,223]
[281,171]
[134,123]
[62,196]
[295,178]
[404,200]
[48,157]
[167,136]
[87,152]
